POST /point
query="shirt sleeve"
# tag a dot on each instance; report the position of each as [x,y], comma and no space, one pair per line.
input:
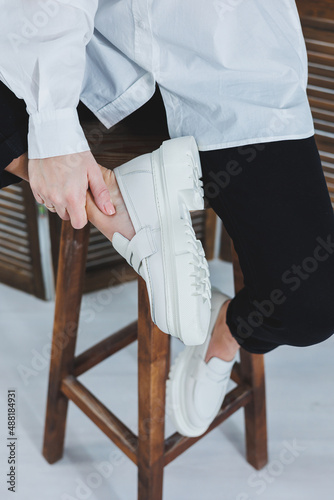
[42,60]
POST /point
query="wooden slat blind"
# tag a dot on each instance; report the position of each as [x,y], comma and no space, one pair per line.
[317,18]
[19,246]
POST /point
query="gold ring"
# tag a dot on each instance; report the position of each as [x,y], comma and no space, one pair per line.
[52,208]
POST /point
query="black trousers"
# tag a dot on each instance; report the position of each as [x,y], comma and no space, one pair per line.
[13,132]
[275,205]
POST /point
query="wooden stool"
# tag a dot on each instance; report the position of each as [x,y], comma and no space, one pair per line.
[149,450]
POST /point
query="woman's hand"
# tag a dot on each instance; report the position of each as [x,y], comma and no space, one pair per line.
[119,222]
[62,182]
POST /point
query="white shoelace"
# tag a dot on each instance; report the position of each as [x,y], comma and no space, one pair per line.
[201,269]
[199,186]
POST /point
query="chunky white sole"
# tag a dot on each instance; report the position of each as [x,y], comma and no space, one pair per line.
[178,190]
[175,400]
[176,392]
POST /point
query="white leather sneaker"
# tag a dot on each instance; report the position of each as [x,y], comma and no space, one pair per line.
[159,189]
[196,389]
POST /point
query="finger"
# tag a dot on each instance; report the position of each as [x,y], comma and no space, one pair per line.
[90,204]
[50,205]
[65,216]
[77,214]
[94,215]
[100,191]
[38,198]
[62,212]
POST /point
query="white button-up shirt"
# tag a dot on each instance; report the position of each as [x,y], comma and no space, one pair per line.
[231,72]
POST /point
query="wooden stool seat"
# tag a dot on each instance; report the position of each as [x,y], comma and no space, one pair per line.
[149,450]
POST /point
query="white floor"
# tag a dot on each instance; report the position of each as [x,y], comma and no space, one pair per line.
[300,402]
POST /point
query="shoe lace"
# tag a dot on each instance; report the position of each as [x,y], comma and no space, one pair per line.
[201,271]
[199,186]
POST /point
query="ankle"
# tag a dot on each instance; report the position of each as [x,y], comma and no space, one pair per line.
[120,222]
[222,344]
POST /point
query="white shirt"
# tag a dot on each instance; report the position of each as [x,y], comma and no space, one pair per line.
[231,72]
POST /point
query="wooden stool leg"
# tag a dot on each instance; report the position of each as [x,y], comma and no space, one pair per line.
[153,366]
[252,372]
[71,271]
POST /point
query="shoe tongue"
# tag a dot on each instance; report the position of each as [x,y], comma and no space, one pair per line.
[220,366]
[120,244]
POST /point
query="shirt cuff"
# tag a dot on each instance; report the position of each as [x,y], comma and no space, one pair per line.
[55,133]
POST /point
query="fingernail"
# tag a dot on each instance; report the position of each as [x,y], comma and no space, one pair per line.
[109,208]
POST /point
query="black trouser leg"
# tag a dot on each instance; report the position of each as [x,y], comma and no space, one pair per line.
[275,205]
[13,132]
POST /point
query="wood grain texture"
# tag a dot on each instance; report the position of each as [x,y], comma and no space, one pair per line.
[20,260]
[316,8]
[153,366]
[234,400]
[210,233]
[252,370]
[225,252]
[112,427]
[71,272]
[317,19]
